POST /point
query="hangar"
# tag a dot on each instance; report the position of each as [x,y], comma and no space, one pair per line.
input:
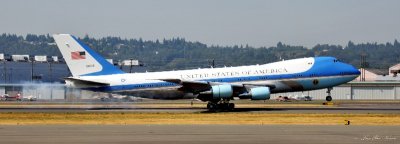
[375,90]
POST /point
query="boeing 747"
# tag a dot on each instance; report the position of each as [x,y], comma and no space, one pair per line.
[217,86]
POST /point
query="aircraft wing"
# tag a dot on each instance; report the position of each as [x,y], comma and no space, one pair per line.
[200,86]
[190,86]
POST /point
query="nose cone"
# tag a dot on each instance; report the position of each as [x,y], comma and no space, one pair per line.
[353,70]
[357,72]
[350,70]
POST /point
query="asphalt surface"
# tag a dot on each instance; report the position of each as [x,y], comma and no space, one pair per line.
[193,134]
[346,108]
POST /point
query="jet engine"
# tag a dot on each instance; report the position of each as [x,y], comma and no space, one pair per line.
[260,93]
[257,93]
[221,91]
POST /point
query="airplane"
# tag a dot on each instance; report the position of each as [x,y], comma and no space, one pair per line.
[217,86]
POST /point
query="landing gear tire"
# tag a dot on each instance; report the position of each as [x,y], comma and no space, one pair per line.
[231,106]
[328,98]
[212,106]
[220,106]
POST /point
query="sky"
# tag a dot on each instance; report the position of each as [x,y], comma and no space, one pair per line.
[213,22]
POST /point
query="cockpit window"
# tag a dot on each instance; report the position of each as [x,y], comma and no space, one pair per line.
[336,60]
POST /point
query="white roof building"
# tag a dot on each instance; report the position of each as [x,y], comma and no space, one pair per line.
[394,70]
[370,74]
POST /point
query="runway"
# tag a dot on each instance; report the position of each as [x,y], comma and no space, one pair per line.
[342,108]
[307,133]
[193,134]
[197,110]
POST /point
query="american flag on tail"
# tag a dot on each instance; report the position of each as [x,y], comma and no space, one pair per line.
[78,55]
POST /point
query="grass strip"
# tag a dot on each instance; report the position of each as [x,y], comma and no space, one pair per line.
[122,118]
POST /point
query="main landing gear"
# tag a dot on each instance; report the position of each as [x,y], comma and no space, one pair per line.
[329,97]
[223,105]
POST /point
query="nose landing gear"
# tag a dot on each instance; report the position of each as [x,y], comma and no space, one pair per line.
[329,97]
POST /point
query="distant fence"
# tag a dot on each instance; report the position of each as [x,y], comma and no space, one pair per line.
[354,91]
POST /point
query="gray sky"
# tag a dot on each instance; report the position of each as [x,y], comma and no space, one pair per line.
[218,22]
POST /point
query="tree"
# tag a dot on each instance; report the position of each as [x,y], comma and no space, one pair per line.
[350,44]
[279,45]
[396,43]
[171,51]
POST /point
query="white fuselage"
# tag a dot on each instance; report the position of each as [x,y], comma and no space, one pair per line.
[286,75]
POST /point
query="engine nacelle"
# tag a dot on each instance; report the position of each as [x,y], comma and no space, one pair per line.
[221,91]
[260,93]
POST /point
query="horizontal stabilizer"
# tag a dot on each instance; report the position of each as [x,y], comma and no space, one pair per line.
[85,83]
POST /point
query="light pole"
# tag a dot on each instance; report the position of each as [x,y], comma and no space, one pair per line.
[51,81]
[11,77]
[5,72]
[50,72]
[130,70]
[31,69]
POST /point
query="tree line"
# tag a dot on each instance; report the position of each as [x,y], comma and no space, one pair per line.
[177,53]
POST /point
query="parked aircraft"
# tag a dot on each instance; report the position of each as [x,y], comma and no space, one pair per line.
[217,86]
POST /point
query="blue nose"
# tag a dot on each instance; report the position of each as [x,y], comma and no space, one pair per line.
[355,71]
[350,69]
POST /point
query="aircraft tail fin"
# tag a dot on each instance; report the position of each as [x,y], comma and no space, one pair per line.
[82,60]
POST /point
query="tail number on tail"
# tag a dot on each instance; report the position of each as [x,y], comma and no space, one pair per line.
[90,65]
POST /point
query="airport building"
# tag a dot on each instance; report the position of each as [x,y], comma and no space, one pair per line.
[42,77]
[372,84]
[12,72]
[376,90]
[41,70]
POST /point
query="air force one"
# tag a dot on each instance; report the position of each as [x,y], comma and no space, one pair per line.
[217,86]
